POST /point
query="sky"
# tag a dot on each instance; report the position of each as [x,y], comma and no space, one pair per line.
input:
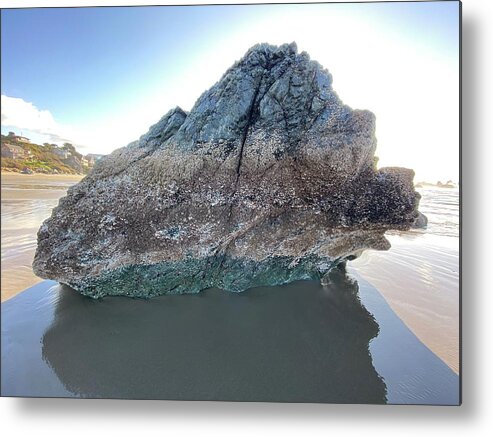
[100,77]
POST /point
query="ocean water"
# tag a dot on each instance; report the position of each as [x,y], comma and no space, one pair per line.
[441,206]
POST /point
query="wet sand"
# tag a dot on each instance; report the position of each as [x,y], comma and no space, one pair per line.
[300,342]
[419,278]
[27,200]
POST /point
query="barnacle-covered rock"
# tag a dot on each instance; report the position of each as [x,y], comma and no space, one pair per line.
[270,178]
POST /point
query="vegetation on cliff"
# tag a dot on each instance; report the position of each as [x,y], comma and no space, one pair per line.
[19,155]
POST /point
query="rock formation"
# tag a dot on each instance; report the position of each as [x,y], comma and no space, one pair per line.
[268,179]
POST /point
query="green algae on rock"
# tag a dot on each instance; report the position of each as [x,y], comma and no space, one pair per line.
[268,179]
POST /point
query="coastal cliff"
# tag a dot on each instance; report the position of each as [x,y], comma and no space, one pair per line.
[268,179]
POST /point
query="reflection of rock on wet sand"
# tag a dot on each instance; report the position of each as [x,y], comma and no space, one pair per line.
[300,342]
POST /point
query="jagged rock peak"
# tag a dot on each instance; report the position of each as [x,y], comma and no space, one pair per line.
[270,87]
[167,126]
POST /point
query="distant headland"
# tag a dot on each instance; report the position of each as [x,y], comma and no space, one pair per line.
[20,155]
[439,184]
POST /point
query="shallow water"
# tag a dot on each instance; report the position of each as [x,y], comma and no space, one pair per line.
[300,342]
[441,206]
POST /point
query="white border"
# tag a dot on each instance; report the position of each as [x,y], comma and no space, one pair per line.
[55,417]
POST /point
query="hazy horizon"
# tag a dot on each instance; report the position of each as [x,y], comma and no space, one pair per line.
[100,77]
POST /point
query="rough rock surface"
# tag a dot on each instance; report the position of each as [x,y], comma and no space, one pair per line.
[270,178]
[421,221]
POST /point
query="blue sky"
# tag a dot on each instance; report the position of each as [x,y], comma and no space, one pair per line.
[100,77]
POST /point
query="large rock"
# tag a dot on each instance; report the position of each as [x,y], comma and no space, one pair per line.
[270,178]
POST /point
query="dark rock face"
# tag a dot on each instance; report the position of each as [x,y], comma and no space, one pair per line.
[270,178]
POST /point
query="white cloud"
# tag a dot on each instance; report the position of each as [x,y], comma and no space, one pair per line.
[23,115]
[102,136]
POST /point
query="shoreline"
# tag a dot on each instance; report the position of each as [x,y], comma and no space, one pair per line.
[19,173]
